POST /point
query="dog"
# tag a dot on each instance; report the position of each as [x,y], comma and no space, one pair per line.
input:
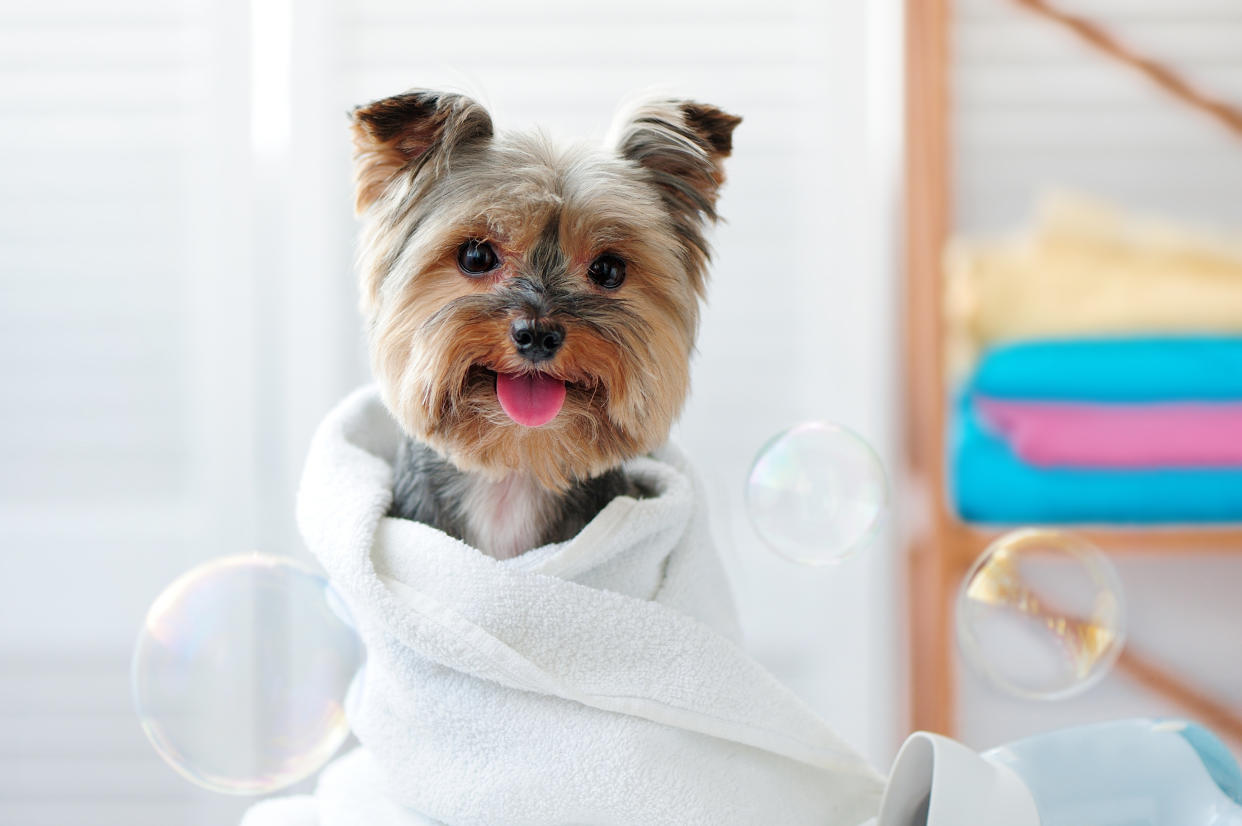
[530,308]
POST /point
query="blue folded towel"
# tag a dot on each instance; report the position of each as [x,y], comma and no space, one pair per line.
[992,485]
[1114,370]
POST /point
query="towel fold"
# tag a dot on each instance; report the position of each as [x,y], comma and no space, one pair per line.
[1113,370]
[591,681]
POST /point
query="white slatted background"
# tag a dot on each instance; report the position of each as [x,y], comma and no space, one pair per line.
[179,309]
[1035,108]
[124,458]
[94,245]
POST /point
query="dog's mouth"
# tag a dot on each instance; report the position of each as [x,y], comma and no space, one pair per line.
[530,399]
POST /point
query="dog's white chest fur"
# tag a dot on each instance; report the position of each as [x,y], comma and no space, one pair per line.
[506,518]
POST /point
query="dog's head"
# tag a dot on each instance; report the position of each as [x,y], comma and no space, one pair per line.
[531,306]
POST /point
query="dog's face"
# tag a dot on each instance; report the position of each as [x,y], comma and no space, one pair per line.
[533,307]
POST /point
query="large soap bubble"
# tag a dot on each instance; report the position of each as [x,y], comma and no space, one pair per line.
[1041,614]
[816,493]
[240,673]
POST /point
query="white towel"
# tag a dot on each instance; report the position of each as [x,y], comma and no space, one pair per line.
[591,681]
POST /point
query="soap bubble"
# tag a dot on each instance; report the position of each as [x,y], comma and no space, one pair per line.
[816,493]
[1041,614]
[240,673]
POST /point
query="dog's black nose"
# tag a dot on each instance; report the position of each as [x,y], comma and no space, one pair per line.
[536,340]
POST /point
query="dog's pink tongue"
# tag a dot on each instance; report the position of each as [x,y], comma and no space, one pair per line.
[530,399]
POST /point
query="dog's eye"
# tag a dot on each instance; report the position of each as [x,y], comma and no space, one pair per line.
[476,257]
[608,271]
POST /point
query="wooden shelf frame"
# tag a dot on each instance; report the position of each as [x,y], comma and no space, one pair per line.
[939,547]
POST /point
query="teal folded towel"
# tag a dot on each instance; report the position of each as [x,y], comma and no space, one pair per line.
[1113,370]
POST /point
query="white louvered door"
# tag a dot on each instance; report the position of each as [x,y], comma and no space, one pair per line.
[126,324]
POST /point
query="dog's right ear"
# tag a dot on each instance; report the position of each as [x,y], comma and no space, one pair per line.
[410,130]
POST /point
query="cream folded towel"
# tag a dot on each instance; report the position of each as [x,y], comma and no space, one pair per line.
[594,681]
[1089,269]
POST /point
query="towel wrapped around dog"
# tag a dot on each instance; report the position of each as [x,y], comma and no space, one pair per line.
[592,681]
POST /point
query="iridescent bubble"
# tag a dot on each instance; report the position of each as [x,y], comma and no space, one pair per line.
[816,493]
[240,673]
[1041,614]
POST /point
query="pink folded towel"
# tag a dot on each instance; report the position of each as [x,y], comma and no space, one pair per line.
[1152,435]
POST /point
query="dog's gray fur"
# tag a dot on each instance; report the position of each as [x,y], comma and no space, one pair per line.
[429,489]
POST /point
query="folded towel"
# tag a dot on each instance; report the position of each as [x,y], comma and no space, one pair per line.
[1093,435]
[1113,370]
[992,484]
[1089,269]
[590,681]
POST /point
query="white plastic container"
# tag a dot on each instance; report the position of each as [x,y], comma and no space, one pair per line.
[1127,773]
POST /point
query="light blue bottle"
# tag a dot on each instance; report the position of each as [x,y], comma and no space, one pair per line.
[1126,773]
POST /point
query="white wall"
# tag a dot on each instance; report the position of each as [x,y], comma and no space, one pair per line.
[221,256]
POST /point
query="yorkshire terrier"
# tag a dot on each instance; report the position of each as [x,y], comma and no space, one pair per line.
[531,308]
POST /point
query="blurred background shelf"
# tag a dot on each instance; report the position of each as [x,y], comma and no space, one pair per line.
[1004,97]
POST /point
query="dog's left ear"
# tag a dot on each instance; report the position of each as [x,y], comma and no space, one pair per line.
[682,145]
[416,129]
